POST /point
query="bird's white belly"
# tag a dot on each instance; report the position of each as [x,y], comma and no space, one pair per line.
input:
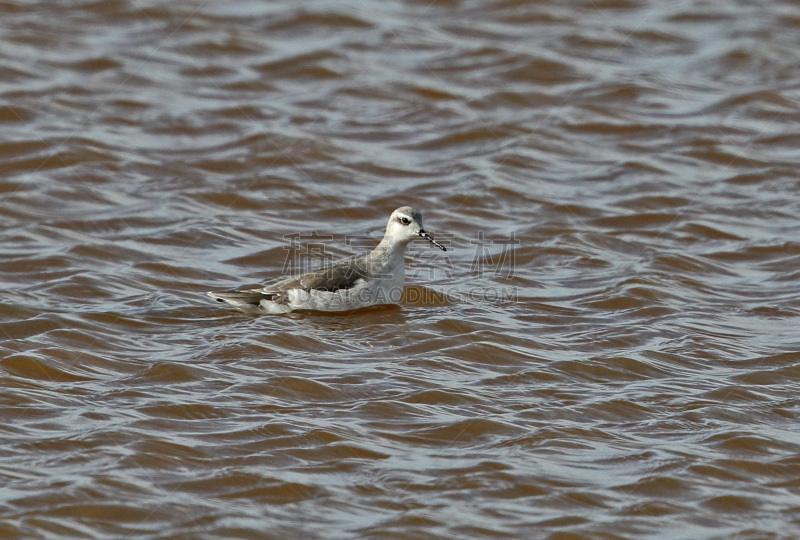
[365,293]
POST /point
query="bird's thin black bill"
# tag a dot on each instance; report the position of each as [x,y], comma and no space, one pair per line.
[428,237]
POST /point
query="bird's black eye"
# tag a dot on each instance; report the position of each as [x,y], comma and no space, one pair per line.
[405,220]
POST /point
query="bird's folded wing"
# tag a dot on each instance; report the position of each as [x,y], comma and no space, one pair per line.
[343,275]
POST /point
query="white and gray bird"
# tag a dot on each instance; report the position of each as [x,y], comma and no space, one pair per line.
[376,278]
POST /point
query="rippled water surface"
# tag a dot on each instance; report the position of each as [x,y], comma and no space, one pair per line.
[609,348]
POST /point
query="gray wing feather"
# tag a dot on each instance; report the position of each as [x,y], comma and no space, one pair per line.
[342,275]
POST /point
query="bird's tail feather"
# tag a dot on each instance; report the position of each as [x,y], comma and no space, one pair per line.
[241,297]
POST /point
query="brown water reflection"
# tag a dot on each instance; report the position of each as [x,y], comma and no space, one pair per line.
[608,350]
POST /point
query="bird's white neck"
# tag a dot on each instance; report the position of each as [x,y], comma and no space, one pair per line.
[390,251]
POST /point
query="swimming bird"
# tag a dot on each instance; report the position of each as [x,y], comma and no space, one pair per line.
[376,278]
